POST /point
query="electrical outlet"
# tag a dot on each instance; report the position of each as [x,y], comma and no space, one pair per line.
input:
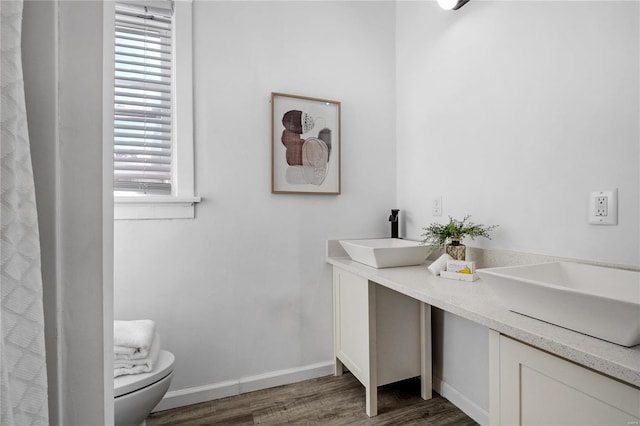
[603,207]
[436,206]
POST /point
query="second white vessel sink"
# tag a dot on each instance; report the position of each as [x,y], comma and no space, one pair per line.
[386,252]
[597,301]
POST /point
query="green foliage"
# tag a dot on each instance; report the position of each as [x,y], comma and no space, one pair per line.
[438,235]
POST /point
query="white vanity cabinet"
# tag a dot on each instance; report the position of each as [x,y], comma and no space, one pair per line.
[532,387]
[380,335]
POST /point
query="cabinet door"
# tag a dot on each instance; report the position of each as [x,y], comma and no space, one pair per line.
[537,388]
[353,326]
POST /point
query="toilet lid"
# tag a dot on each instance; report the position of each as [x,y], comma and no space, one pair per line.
[132,382]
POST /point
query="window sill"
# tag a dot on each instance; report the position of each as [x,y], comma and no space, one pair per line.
[154,207]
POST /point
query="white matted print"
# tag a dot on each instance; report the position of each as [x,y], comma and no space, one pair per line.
[305,145]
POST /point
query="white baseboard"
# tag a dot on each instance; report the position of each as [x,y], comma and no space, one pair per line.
[469,407]
[195,395]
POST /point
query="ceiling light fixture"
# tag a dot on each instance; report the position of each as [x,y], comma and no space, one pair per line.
[452,4]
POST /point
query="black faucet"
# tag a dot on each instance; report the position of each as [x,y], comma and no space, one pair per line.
[394,222]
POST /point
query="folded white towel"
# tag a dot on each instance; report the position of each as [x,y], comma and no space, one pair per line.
[132,339]
[137,366]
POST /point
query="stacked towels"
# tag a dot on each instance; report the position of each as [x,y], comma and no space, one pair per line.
[135,347]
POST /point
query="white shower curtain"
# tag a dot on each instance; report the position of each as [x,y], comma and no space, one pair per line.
[23,378]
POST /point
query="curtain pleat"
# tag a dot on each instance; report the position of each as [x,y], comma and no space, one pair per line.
[23,372]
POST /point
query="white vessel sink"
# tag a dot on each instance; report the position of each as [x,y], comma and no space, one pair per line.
[386,252]
[601,302]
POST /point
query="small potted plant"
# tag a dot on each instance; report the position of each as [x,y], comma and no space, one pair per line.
[450,236]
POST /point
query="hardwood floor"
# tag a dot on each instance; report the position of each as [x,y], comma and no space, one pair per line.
[332,401]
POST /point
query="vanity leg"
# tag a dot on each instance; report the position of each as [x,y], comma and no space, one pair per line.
[338,366]
[372,400]
[426,378]
[372,382]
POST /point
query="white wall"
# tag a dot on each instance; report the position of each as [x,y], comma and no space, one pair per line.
[513,112]
[85,218]
[62,53]
[40,77]
[243,289]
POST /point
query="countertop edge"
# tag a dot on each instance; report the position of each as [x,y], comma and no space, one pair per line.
[474,302]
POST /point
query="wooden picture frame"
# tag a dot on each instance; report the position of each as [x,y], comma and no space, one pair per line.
[305,145]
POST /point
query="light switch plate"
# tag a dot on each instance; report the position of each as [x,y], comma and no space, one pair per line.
[436,206]
[603,207]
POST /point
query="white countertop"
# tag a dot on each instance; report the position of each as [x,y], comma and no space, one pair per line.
[475,301]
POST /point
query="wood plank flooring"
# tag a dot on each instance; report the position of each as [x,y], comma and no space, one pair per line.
[331,401]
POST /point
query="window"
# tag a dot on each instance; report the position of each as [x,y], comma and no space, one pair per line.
[143,93]
[153,158]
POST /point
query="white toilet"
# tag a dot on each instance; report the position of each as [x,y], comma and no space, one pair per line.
[137,394]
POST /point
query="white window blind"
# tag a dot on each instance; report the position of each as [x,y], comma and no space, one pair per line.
[143,101]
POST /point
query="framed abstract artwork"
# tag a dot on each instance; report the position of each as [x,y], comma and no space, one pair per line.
[305,145]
